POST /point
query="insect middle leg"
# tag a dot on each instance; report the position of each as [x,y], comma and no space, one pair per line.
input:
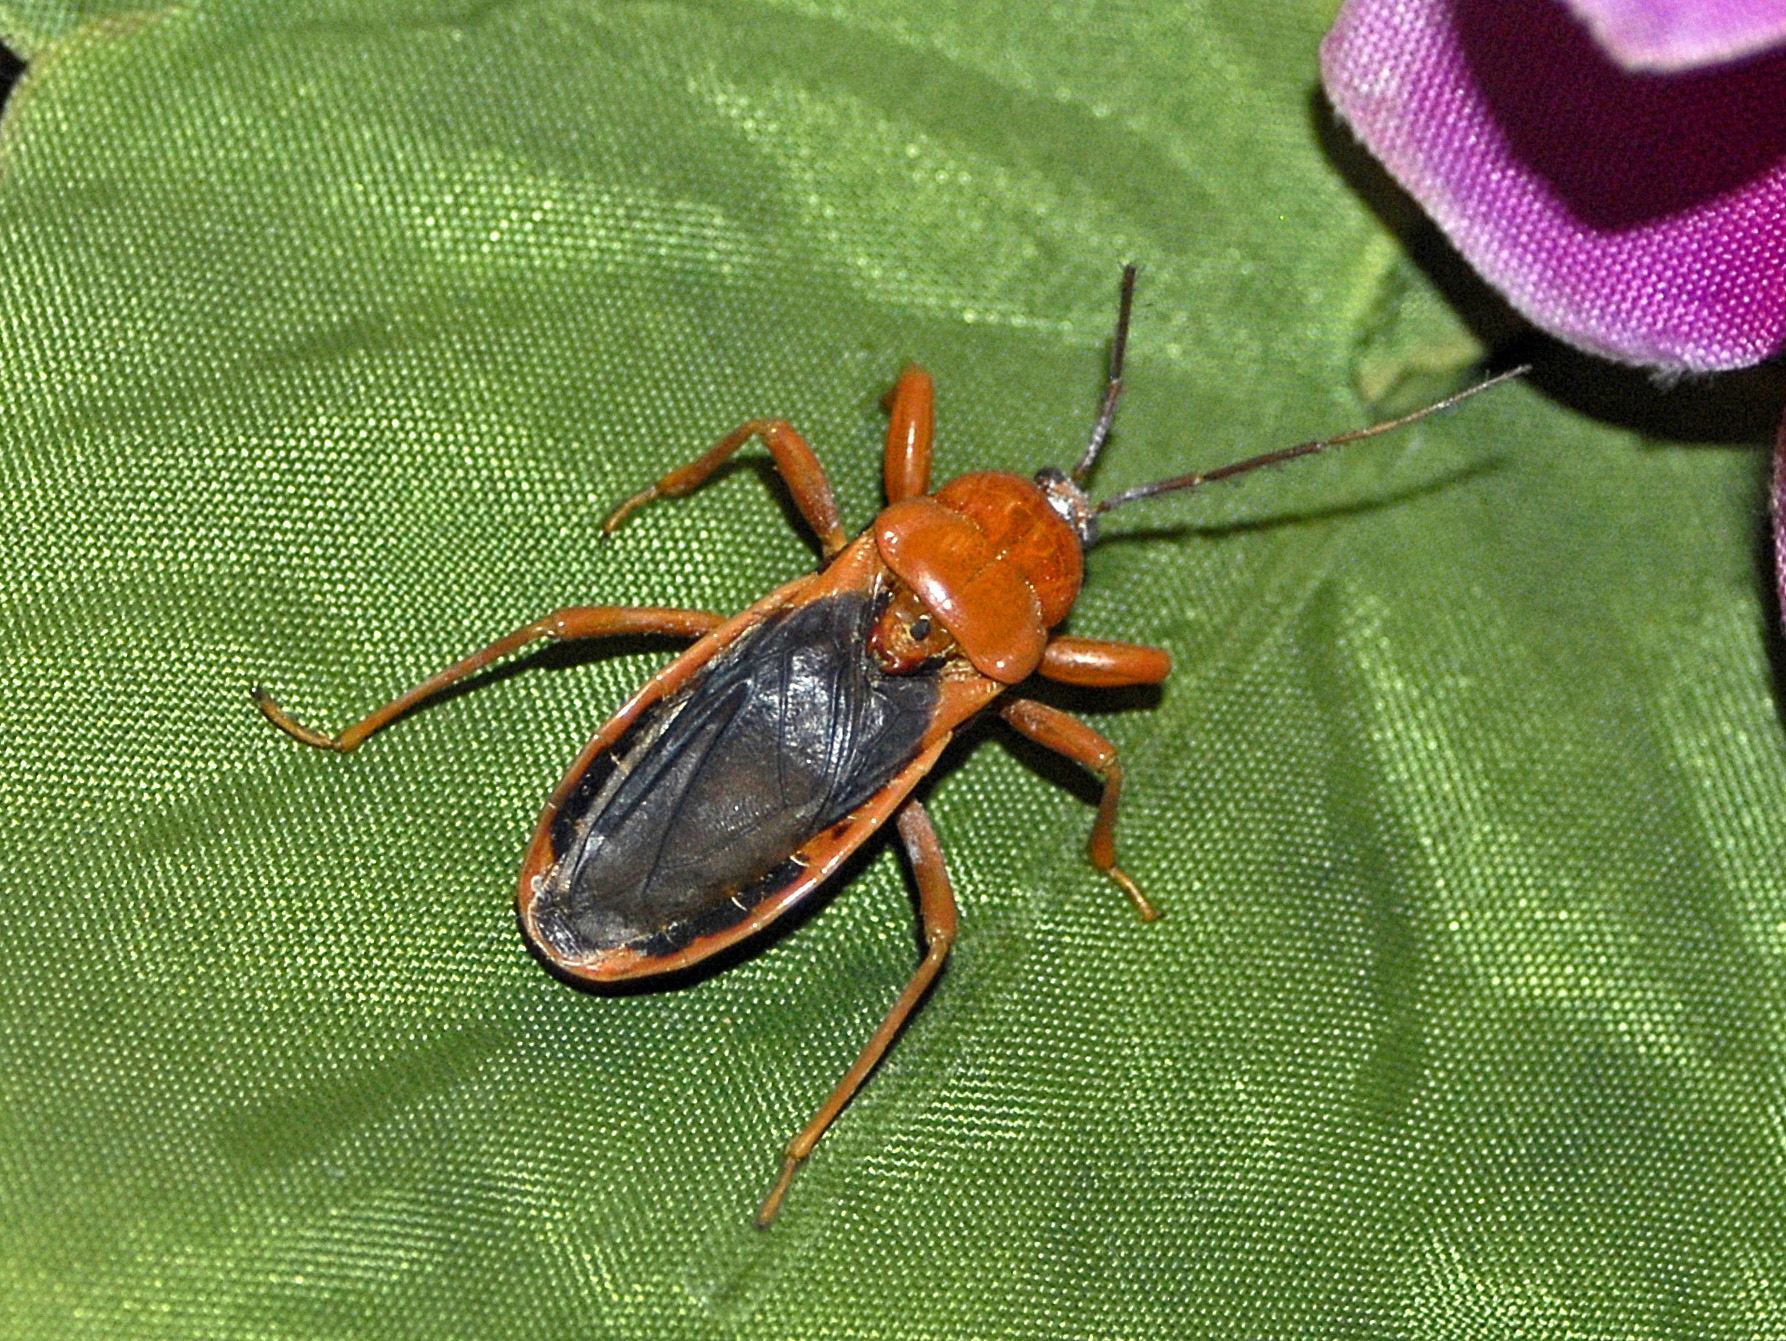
[936,911]
[590,621]
[799,468]
[1099,663]
[1055,730]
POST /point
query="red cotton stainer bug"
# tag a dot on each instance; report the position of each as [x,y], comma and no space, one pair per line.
[746,771]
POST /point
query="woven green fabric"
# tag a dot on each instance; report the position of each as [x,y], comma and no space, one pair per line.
[330,332]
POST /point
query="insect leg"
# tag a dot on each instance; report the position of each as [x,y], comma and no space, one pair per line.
[936,910]
[1098,664]
[593,621]
[1054,730]
[800,471]
[910,425]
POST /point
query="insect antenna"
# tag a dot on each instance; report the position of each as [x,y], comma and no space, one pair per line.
[1100,431]
[1282,454]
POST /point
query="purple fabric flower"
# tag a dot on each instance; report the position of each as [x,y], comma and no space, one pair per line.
[1681,34]
[1638,215]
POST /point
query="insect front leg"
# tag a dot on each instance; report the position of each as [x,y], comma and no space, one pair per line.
[911,423]
[1096,663]
[591,621]
[936,911]
[1055,730]
[799,468]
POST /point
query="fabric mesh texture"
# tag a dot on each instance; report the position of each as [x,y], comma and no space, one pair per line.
[331,332]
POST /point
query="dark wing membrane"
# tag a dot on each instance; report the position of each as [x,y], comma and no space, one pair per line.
[694,812]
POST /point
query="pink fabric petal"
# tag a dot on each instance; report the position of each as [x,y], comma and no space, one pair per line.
[1682,34]
[1640,217]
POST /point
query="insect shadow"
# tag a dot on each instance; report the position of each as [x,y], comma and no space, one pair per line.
[1439,483]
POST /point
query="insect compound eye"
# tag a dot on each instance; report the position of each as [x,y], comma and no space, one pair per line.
[907,638]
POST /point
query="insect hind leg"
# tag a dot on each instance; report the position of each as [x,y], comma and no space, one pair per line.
[936,911]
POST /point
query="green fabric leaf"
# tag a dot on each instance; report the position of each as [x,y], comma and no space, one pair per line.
[332,331]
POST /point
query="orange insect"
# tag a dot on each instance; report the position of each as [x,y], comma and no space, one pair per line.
[745,772]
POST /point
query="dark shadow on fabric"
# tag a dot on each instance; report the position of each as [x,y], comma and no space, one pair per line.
[1339,511]
[763,467]
[1773,640]
[1083,702]
[1056,769]
[1390,1080]
[1734,408]
[12,69]
[279,1132]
